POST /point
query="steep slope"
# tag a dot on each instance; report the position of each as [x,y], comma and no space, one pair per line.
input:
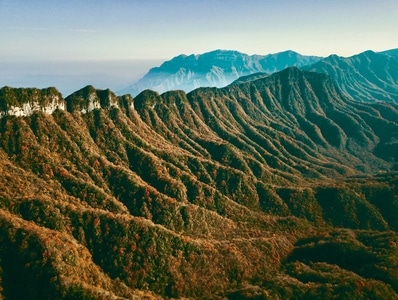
[23,102]
[213,69]
[392,52]
[366,77]
[217,193]
[310,122]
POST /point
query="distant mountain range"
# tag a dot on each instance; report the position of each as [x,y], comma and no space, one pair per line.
[368,76]
[213,69]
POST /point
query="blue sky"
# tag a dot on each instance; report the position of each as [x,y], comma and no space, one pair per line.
[98,30]
[154,29]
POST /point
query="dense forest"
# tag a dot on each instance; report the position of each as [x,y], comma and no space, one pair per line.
[280,187]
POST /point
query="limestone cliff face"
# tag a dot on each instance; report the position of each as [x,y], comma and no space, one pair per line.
[25,101]
[22,102]
[88,98]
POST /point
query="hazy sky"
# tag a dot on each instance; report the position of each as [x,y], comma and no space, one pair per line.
[55,30]
[130,29]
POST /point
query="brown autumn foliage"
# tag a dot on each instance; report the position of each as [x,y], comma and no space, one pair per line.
[241,192]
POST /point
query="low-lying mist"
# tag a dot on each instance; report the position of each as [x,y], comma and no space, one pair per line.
[70,75]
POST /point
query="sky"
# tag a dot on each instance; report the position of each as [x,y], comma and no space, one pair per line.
[122,39]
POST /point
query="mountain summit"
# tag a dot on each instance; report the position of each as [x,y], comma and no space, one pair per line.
[214,69]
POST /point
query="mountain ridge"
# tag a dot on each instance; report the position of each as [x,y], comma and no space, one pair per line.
[216,68]
[239,192]
[88,99]
[368,76]
[219,68]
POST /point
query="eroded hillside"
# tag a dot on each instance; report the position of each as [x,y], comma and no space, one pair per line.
[280,187]
[366,77]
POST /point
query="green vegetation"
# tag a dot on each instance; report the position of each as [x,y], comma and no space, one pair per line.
[17,97]
[269,189]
